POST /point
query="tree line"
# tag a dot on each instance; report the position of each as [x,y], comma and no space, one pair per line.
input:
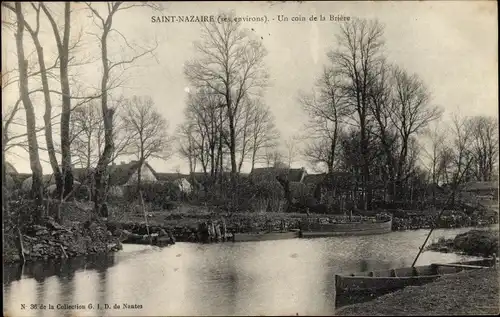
[366,115]
[226,121]
[376,120]
[95,125]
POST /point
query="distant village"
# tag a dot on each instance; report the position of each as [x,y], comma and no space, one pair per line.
[302,184]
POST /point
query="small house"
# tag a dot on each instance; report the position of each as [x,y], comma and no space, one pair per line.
[180,180]
[127,173]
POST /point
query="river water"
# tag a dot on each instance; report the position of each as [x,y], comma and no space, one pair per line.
[285,277]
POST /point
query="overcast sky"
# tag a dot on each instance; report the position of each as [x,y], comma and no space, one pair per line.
[452,46]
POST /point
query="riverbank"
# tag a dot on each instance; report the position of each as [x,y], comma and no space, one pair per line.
[474,242]
[467,293]
[78,234]
[187,221]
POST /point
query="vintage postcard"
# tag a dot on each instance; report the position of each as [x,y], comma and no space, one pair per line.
[250,158]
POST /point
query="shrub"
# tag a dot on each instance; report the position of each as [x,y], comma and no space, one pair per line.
[158,194]
[477,242]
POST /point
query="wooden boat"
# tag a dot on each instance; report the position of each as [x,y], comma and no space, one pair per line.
[265,236]
[377,282]
[156,240]
[372,226]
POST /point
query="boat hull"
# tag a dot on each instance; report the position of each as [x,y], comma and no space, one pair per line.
[390,280]
[316,230]
[247,237]
[155,240]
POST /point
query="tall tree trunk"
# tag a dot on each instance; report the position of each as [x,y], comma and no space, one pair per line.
[213,169]
[365,156]
[47,117]
[36,167]
[63,50]
[232,147]
[5,202]
[401,165]
[333,147]
[101,177]
[254,154]
[66,104]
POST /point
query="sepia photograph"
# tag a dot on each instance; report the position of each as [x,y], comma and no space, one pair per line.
[253,158]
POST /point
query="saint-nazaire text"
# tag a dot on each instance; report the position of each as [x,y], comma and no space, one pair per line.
[182,18]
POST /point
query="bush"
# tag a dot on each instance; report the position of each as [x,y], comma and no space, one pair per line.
[160,195]
[477,242]
[82,192]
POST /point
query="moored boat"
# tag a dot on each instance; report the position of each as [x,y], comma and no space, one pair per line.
[265,236]
[379,282]
[155,239]
[362,227]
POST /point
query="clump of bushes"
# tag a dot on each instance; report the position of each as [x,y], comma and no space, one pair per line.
[477,242]
[161,195]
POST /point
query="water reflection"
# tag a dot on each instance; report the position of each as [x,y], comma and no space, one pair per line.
[265,278]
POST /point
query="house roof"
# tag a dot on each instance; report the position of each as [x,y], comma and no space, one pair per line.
[170,176]
[270,173]
[79,174]
[201,177]
[471,186]
[333,178]
[120,174]
[20,177]
[314,179]
[46,181]
[10,169]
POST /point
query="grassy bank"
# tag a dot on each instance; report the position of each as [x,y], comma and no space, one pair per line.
[474,242]
[466,293]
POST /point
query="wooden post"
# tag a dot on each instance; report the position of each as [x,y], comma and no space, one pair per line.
[20,245]
[145,217]
[224,230]
[450,198]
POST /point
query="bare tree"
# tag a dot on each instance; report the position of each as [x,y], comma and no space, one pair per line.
[9,141]
[273,157]
[87,133]
[34,31]
[326,108]
[104,21]
[36,167]
[204,113]
[231,64]
[187,145]
[86,123]
[434,153]
[461,150]
[484,132]
[63,49]
[149,131]
[291,149]
[381,99]
[264,134]
[243,124]
[357,60]
[411,112]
